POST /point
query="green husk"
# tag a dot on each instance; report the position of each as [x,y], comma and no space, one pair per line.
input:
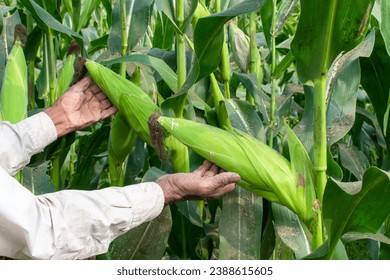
[14,94]
[122,138]
[135,105]
[267,172]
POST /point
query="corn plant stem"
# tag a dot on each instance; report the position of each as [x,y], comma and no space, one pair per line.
[51,57]
[253,49]
[181,61]
[72,158]
[55,173]
[5,37]
[217,94]
[217,6]
[117,171]
[225,60]
[125,26]
[52,66]
[124,35]
[225,64]
[30,68]
[273,79]
[320,156]
[252,43]
[320,144]
[180,55]
[317,232]
[179,110]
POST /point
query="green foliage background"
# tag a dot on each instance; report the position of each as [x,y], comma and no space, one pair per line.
[318,67]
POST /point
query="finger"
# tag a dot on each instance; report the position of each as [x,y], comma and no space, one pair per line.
[106,103]
[88,95]
[109,112]
[203,168]
[225,179]
[213,170]
[100,96]
[94,88]
[83,84]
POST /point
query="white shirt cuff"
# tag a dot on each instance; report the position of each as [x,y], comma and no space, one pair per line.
[41,130]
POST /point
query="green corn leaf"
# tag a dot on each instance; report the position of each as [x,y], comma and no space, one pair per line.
[302,165]
[168,75]
[88,7]
[45,20]
[209,39]
[322,36]
[138,25]
[362,212]
[168,8]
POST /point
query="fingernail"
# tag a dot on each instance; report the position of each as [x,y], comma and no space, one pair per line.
[235,176]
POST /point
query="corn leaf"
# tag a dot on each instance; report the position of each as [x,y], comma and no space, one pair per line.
[363,212]
[290,230]
[209,38]
[145,242]
[168,75]
[240,226]
[45,20]
[376,82]
[321,37]
[138,24]
[385,23]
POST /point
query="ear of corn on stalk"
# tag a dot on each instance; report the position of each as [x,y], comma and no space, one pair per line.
[14,94]
[135,105]
[240,47]
[122,138]
[65,76]
[269,174]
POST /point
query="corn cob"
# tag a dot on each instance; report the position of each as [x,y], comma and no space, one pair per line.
[135,105]
[14,94]
[122,138]
[268,173]
[67,72]
[240,47]
[120,144]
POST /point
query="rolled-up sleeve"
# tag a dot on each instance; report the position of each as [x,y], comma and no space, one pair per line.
[69,224]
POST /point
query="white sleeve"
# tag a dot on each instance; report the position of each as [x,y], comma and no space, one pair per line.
[18,142]
[70,224]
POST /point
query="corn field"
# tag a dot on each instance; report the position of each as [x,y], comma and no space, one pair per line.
[292,95]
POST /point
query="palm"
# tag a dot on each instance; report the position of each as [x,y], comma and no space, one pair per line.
[84,104]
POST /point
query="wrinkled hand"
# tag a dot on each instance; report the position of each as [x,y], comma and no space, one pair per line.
[82,105]
[207,182]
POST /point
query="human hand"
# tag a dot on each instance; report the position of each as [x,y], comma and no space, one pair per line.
[207,182]
[82,105]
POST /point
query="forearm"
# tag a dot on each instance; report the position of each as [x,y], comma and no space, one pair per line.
[18,142]
[70,224]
